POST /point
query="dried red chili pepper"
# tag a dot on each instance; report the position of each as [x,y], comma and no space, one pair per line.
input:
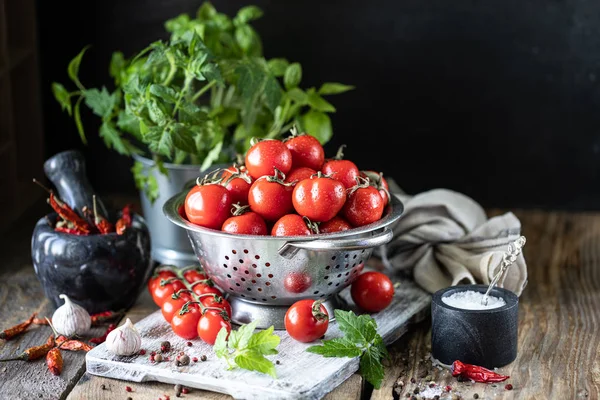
[75,345]
[101,339]
[42,321]
[101,223]
[70,231]
[10,333]
[125,221]
[476,373]
[33,353]
[104,316]
[66,212]
[54,361]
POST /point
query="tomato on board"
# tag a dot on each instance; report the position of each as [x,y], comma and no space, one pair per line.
[266,156]
[248,223]
[159,276]
[306,320]
[270,198]
[194,274]
[204,287]
[306,151]
[165,289]
[335,224]
[372,291]
[208,205]
[319,198]
[363,206]
[218,302]
[299,174]
[185,322]
[291,225]
[173,304]
[238,183]
[210,324]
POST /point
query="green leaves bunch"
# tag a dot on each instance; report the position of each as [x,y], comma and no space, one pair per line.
[360,340]
[199,97]
[246,349]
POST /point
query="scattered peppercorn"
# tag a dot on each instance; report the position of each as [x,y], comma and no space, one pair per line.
[277,362]
[129,398]
[178,389]
[153,353]
[167,358]
[182,360]
[185,390]
[416,391]
[508,386]
[412,380]
[436,397]
[195,359]
[142,352]
[203,357]
[413,398]
[167,397]
[448,388]
[181,353]
[408,395]
[103,386]
[431,384]
[128,389]
[158,358]
[189,344]
[475,396]
[165,346]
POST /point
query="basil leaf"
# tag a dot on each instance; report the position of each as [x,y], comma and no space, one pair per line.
[244,36]
[254,361]
[247,14]
[277,66]
[334,88]
[336,347]
[273,93]
[73,68]
[316,124]
[292,75]
[264,342]
[298,95]
[318,103]
[206,11]
[220,346]
[62,96]
[358,329]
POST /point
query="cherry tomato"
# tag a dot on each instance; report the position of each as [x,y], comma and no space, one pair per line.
[208,205]
[306,152]
[238,183]
[297,282]
[194,274]
[162,292]
[377,180]
[265,156]
[291,225]
[299,174]
[319,198]
[210,324]
[158,276]
[335,224]
[342,170]
[181,211]
[173,305]
[248,223]
[270,198]
[204,287]
[185,325]
[218,302]
[306,320]
[364,206]
[372,291]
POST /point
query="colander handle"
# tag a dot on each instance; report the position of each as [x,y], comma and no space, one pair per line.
[360,243]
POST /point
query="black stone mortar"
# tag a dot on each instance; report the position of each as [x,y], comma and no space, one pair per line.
[482,337]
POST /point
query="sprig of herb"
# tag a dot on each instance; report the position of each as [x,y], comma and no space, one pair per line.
[200,97]
[360,340]
[246,349]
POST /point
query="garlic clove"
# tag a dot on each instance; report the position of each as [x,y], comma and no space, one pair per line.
[124,340]
[71,319]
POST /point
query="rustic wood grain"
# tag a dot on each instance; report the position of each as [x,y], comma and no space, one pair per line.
[558,322]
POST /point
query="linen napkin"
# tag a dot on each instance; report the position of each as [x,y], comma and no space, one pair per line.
[445,238]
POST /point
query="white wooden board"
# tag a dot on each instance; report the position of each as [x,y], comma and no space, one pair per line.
[300,375]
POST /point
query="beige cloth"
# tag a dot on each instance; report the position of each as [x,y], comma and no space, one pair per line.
[445,238]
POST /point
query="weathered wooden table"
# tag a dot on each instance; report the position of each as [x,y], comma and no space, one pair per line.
[559,331]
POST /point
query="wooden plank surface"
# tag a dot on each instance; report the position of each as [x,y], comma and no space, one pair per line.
[559,322]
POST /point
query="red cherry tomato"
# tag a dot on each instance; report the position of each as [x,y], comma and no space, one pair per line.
[363,206]
[291,225]
[210,324]
[266,156]
[194,274]
[297,282]
[173,305]
[377,180]
[185,325]
[158,276]
[248,223]
[205,287]
[238,183]
[299,174]
[218,302]
[306,152]
[162,292]
[270,198]
[306,320]
[319,198]
[208,205]
[335,224]
[342,170]
[372,291]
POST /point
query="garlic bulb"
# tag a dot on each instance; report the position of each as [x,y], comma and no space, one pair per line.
[125,340]
[71,319]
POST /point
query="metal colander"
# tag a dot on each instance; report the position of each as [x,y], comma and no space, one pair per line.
[264,275]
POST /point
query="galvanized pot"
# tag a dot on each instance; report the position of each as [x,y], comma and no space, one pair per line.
[170,243]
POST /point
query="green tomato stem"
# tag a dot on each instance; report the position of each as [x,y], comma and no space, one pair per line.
[204,89]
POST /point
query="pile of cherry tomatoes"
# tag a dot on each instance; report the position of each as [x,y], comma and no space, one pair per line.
[196,308]
[288,188]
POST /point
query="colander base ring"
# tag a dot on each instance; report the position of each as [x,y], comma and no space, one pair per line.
[245,311]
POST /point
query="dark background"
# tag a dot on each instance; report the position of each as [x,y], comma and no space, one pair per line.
[495,99]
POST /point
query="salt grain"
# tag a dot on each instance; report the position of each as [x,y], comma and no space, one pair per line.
[471,300]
